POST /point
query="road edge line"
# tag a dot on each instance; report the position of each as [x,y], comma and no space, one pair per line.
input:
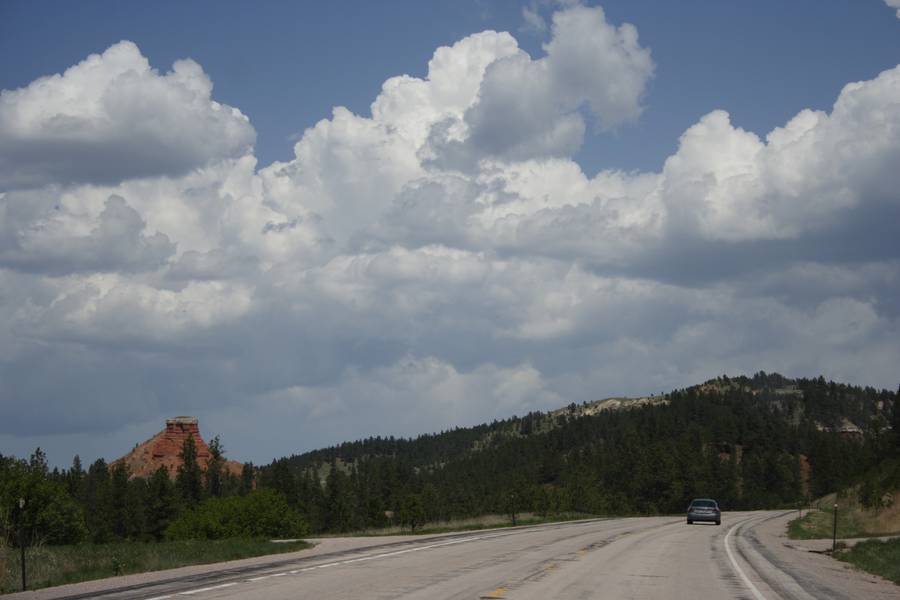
[737,567]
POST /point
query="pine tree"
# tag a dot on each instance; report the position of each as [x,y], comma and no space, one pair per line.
[314,501]
[248,476]
[38,462]
[160,507]
[97,502]
[75,480]
[118,501]
[339,515]
[189,481]
[281,479]
[214,468]
[412,513]
[431,502]
[135,507]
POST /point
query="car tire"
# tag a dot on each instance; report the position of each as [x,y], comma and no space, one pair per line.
[718,522]
[690,522]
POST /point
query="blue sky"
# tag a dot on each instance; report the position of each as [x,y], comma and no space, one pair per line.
[521,205]
[287,65]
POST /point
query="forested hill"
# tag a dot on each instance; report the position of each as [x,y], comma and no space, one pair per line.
[827,405]
[759,442]
[750,442]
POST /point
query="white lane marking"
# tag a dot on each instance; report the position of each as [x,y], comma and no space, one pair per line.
[737,567]
[207,589]
[338,563]
[160,597]
[397,552]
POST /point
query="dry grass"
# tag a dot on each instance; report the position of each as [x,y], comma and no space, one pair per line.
[853,519]
[56,565]
[886,519]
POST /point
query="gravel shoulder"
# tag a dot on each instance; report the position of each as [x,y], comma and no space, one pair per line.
[807,563]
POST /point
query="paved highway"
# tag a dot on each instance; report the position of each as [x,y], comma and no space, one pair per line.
[746,557]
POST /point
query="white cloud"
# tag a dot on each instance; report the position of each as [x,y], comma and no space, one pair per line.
[530,108]
[40,235]
[414,394]
[730,185]
[117,311]
[348,168]
[534,22]
[113,117]
[894,4]
[439,262]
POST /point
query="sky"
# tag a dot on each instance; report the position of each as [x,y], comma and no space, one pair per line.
[306,224]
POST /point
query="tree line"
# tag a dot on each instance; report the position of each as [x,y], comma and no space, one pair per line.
[751,442]
[759,442]
[104,503]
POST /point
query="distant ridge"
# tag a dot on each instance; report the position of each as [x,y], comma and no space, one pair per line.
[615,403]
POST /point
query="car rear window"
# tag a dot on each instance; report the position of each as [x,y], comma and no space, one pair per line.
[703,504]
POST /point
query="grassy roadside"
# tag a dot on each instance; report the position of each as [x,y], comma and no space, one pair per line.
[854,521]
[58,565]
[875,556]
[819,525]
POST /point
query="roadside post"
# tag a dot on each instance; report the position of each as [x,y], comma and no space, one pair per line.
[22,538]
[834,531]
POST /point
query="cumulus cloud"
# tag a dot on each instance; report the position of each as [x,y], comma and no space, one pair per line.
[440,261]
[110,310]
[529,108]
[43,236]
[348,168]
[534,22]
[112,117]
[894,4]
[728,184]
[392,398]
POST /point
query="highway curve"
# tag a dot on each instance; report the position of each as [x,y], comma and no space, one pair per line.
[645,558]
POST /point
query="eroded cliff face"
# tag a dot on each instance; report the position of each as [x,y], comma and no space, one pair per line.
[164,449]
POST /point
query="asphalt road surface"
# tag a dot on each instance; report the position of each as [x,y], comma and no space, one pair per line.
[746,557]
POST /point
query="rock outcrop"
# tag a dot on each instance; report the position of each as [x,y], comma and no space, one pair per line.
[164,450]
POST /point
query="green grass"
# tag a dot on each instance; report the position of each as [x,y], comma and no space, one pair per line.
[819,524]
[854,520]
[57,565]
[875,556]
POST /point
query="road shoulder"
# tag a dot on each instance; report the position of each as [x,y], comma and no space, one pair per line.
[815,571]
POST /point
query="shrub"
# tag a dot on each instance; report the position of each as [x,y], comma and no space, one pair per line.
[261,513]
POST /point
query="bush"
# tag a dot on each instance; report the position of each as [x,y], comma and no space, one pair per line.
[876,556]
[51,515]
[262,513]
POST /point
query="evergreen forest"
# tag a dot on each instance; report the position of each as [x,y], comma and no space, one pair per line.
[750,442]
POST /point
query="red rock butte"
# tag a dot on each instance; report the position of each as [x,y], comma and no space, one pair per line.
[164,449]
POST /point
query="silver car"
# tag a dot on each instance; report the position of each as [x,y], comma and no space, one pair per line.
[704,509]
